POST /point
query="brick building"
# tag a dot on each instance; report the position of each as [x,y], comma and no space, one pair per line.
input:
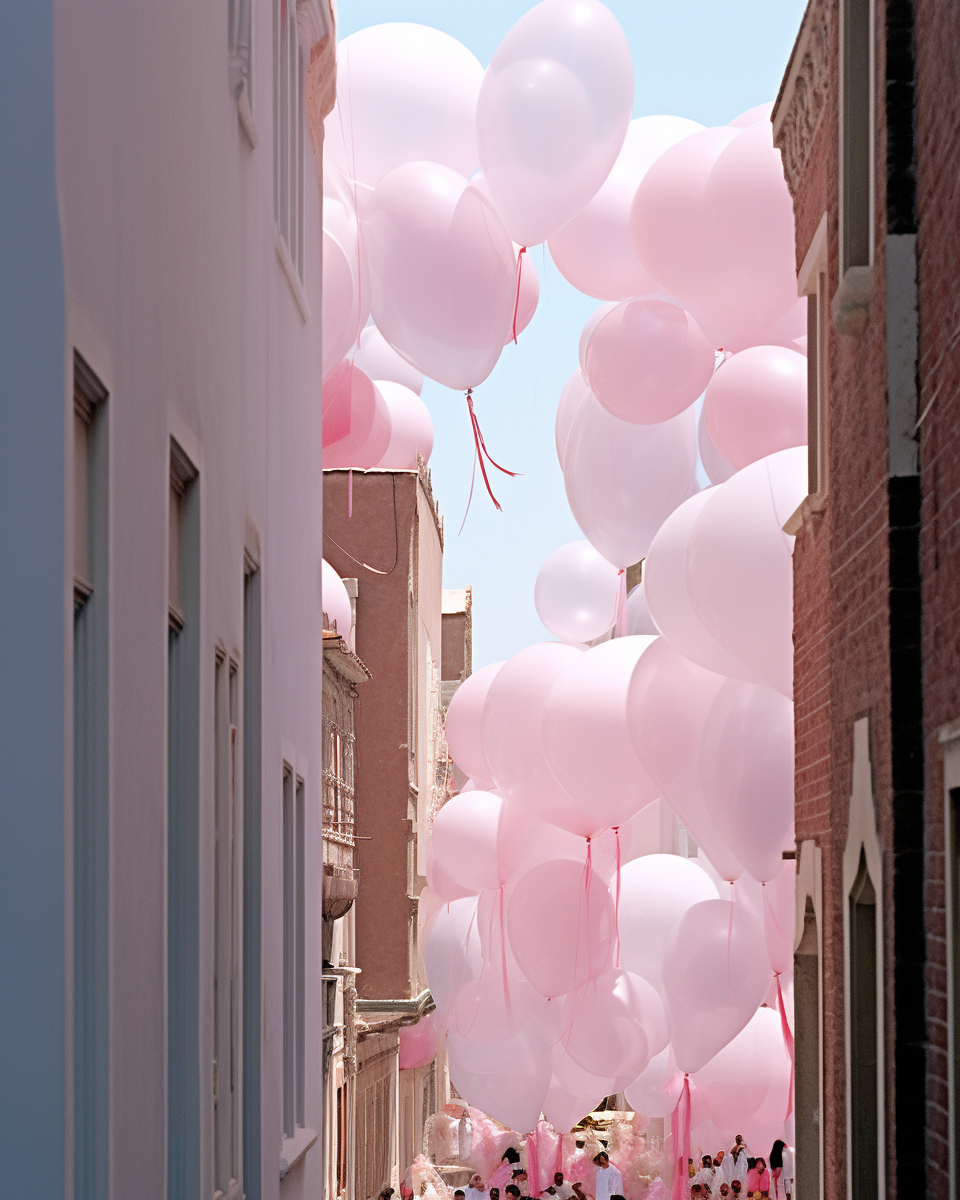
[867,123]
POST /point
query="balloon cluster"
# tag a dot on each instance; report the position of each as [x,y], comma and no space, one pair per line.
[567,965]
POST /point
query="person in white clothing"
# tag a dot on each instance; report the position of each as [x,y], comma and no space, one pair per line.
[708,1175]
[560,1189]
[609,1181]
[475,1189]
[735,1163]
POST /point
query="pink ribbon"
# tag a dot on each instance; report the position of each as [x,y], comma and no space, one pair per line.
[680,1129]
[481,451]
[516,303]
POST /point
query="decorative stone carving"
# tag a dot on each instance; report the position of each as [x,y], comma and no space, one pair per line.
[804,92]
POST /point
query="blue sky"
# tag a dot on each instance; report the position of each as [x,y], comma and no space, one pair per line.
[704,59]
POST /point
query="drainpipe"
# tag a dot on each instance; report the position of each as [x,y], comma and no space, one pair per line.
[409,1011]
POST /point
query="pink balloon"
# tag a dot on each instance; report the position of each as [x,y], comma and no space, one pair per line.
[718,941]
[759,112]
[716,466]
[378,359]
[624,480]
[440,882]
[746,765]
[656,1092]
[514,1097]
[576,593]
[594,251]
[418,1043]
[358,450]
[756,404]
[526,839]
[442,273]
[779,917]
[784,331]
[553,113]
[529,295]
[484,1010]
[735,1081]
[638,613]
[404,92]
[466,839]
[339,303]
[773,1107]
[587,332]
[411,427]
[667,705]
[563,1110]
[574,1079]
[511,735]
[611,1023]
[462,724]
[560,924]
[573,393]
[336,602]
[586,737]
[739,567]
[451,956]
[655,891]
[647,361]
[349,402]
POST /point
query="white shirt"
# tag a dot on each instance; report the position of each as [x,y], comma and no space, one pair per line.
[609,1183]
[474,1193]
[735,1168]
[564,1191]
[709,1175]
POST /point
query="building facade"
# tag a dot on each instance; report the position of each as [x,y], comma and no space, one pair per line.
[160,1016]
[866,121]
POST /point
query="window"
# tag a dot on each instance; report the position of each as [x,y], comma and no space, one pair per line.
[183,830]
[856,135]
[864,1141]
[226,975]
[294,948]
[288,156]
[91,799]
[250,1017]
[238,44]
[812,283]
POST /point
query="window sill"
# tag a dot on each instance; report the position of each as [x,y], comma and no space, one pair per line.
[810,506]
[290,271]
[292,1149]
[245,114]
[233,1192]
[852,300]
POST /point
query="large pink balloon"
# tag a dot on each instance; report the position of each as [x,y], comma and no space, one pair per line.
[514,1097]
[404,92]
[615,1023]
[722,943]
[349,402]
[553,113]
[735,1081]
[587,332]
[594,251]
[586,736]
[563,1109]
[486,1009]
[380,361]
[442,273]
[462,723]
[528,295]
[411,427]
[638,612]
[560,923]
[667,706]
[624,480]
[466,839]
[739,567]
[746,765]
[655,891]
[756,404]
[759,112]
[452,955]
[576,593]
[336,602]
[647,361]
[716,466]
[418,1043]
[369,435]
[339,304]
[446,886]
[656,1092]
[511,734]
[573,393]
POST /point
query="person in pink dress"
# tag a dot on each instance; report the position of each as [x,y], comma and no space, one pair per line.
[758,1181]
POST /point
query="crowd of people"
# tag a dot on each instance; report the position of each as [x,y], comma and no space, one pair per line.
[607,1185]
[735,1174]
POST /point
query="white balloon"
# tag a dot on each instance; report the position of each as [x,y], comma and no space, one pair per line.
[411,427]
[378,359]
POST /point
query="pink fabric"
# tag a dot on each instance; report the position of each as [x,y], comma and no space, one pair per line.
[787,1041]
[534,1186]
[758,1181]
[501,1177]
[680,1128]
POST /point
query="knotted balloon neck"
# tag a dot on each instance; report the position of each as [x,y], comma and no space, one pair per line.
[516,303]
[481,452]
[787,1040]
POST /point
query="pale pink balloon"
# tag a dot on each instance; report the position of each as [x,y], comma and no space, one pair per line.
[779,917]
[668,219]
[638,613]
[656,1091]
[560,923]
[655,891]
[404,92]
[647,361]
[336,602]
[411,427]
[525,839]
[756,404]
[466,839]
[773,1107]
[616,1023]
[594,251]
[418,1043]
[451,956]
[462,724]
[716,466]
[553,113]
[722,943]
[511,735]
[486,1058]
[667,705]
[623,480]
[529,296]
[573,393]
[759,112]
[587,332]
[485,1011]
[442,273]
[349,401]
[365,444]
[735,1081]
[576,593]
[514,1097]
[339,303]
[380,361]
[739,567]
[446,887]
[665,587]
[746,766]
[563,1110]
[586,736]
[784,331]
[573,1078]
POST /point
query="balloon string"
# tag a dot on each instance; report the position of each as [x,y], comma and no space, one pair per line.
[516,303]
[473,477]
[787,1040]
[481,452]
[503,952]
[680,1129]
[350,493]
[616,955]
